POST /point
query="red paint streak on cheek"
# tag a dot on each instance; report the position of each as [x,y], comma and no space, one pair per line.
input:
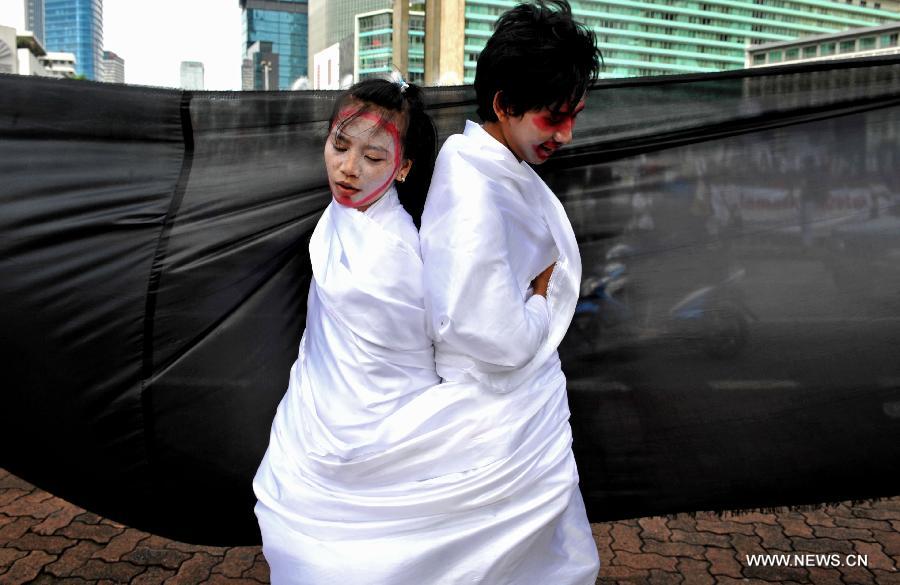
[543,123]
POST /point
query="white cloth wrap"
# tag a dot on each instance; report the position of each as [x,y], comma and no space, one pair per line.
[376,473]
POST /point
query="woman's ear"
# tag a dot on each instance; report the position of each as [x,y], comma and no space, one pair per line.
[499,108]
[404,169]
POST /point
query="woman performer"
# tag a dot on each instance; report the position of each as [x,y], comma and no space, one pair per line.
[322,490]
[492,235]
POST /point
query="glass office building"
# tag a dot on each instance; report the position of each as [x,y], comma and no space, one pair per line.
[374,45]
[284,24]
[76,26]
[640,38]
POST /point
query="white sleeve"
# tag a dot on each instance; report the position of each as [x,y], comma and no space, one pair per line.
[472,298]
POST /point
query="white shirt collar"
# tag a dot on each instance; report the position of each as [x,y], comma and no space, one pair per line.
[478,133]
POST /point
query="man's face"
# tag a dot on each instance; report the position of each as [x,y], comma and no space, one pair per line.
[537,134]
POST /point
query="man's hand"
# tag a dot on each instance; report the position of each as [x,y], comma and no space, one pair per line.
[539,284]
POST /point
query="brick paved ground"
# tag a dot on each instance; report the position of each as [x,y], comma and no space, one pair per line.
[44,539]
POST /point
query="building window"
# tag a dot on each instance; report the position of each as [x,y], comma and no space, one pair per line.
[759,58]
[848,46]
[774,56]
[791,54]
[809,52]
[827,49]
[867,43]
[889,40]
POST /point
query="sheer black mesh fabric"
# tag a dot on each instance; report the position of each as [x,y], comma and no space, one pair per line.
[735,345]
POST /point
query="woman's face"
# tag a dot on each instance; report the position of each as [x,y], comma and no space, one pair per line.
[362,157]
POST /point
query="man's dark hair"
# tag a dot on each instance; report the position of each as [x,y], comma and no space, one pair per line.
[537,57]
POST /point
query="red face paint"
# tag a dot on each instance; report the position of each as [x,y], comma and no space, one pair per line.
[349,197]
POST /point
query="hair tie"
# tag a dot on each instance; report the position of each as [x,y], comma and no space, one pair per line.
[397,78]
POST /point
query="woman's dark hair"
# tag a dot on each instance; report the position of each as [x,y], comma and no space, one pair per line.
[418,137]
[537,57]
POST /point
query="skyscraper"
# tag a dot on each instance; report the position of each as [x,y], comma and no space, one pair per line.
[333,21]
[34,18]
[651,37]
[192,75]
[283,24]
[76,26]
[113,68]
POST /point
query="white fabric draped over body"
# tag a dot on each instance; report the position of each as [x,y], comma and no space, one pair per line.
[376,472]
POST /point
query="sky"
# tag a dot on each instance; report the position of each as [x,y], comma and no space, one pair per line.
[155,37]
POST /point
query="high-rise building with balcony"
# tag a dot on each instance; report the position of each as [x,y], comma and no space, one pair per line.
[76,26]
[647,37]
[375,45]
[282,25]
[333,21]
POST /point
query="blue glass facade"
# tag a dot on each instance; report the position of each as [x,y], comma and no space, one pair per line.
[76,26]
[285,25]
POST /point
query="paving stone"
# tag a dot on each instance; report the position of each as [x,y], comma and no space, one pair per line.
[220,579]
[864,523]
[747,545]
[886,578]
[72,558]
[153,576]
[840,533]
[825,546]
[8,556]
[58,519]
[37,504]
[97,569]
[823,576]
[655,528]
[12,482]
[120,545]
[89,518]
[857,576]
[27,568]
[772,538]
[96,532]
[645,561]
[4,520]
[753,518]
[724,580]
[795,525]
[236,561]
[701,538]
[877,514]
[682,522]
[875,557]
[658,577]
[45,579]
[723,527]
[777,574]
[675,549]
[54,545]
[155,541]
[194,570]
[622,574]
[168,558]
[10,495]
[818,518]
[695,572]
[723,563]
[214,551]
[890,541]
[260,570]
[625,538]
[15,529]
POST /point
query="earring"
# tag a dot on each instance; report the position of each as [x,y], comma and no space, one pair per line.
[400,179]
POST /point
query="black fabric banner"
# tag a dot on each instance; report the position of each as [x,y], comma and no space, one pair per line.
[736,344]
